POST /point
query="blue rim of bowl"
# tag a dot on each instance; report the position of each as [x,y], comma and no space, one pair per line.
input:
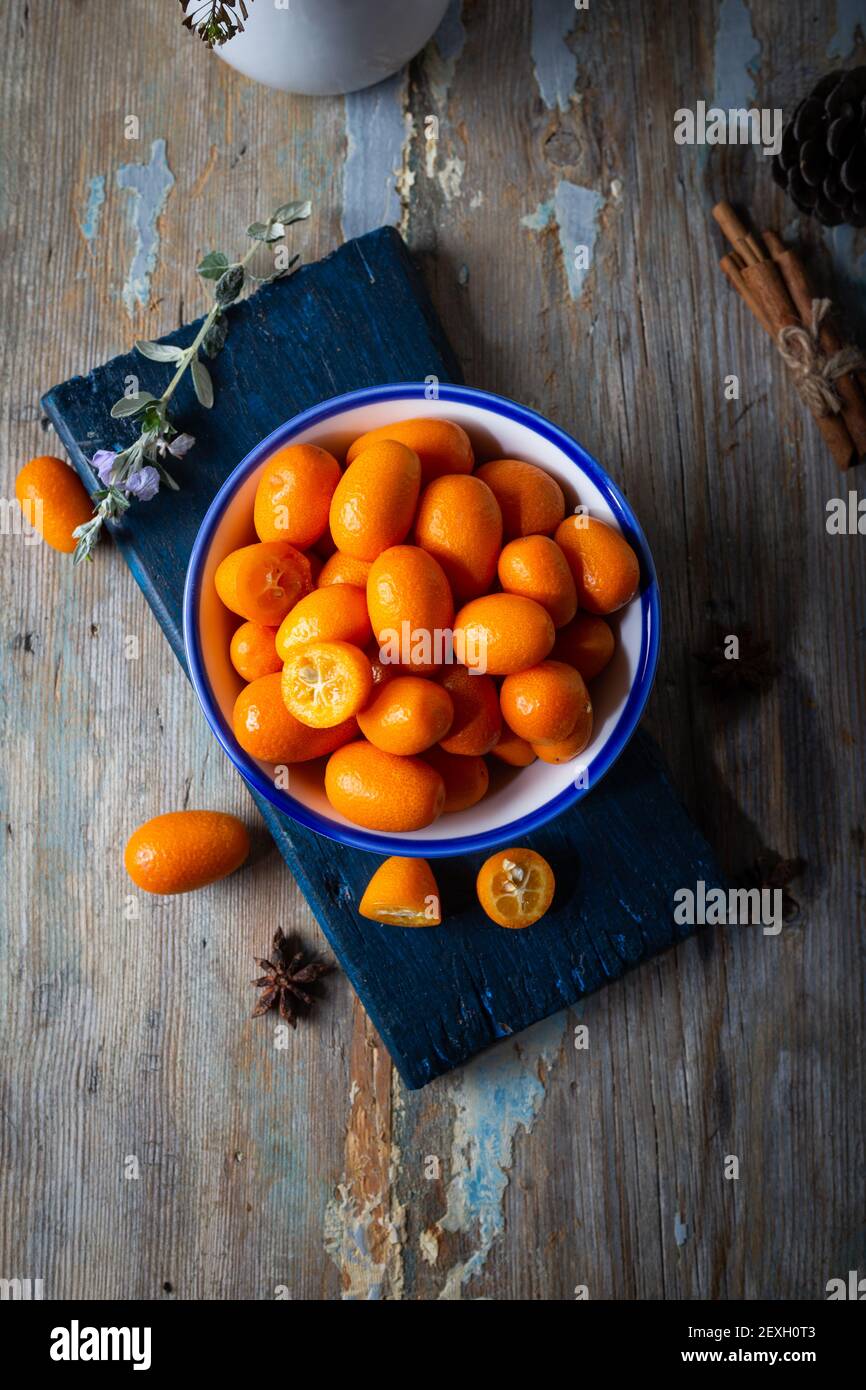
[637,696]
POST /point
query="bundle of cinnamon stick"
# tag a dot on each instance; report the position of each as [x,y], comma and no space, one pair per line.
[772,281]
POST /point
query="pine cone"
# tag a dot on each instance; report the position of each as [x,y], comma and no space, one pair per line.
[822,161]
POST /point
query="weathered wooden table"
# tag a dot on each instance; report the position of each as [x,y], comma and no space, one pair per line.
[154,1143]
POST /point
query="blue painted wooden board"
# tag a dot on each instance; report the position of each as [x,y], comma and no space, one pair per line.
[437,996]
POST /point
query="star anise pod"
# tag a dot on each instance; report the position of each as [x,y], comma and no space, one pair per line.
[287,979]
[770,870]
[753,669]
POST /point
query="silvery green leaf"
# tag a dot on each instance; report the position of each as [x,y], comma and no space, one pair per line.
[159,352]
[202,383]
[216,335]
[276,231]
[293,212]
[213,265]
[131,405]
[229,285]
[258,231]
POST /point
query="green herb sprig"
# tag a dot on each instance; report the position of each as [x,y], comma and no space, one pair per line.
[137,471]
[215,21]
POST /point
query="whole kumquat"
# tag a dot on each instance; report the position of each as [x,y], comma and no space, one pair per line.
[184,850]
[374,501]
[441,446]
[605,568]
[477,717]
[531,501]
[402,893]
[542,703]
[501,633]
[294,494]
[466,778]
[515,887]
[459,523]
[408,597]
[407,715]
[382,791]
[535,567]
[252,651]
[344,569]
[53,501]
[325,683]
[574,742]
[265,729]
[337,613]
[586,643]
[513,750]
[262,582]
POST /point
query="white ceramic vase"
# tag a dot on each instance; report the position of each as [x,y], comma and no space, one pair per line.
[325,47]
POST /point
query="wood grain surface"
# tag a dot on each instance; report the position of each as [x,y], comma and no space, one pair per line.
[153,1144]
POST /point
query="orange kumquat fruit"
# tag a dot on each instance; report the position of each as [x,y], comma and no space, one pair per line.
[265,729]
[294,494]
[531,500]
[407,715]
[605,568]
[402,893]
[252,651]
[53,500]
[375,500]
[185,850]
[382,791]
[441,446]
[542,704]
[325,683]
[515,887]
[262,582]
[337,613]
[502,633]
[535,567]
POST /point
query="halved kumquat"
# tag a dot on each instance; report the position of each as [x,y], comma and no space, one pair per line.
[262,582]
[326,683]
[515,887]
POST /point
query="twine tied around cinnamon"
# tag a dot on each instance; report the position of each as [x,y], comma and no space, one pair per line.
[815,373]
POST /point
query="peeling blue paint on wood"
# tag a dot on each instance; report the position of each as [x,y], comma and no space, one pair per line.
[377,131]
[93,207]
[554,63]
[497,1094]
[737,56]
[541,218]
[850,16]
[577,212]
[150,185]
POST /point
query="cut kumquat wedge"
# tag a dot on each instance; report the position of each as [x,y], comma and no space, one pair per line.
[325,683]
[515,887]
[402,893]
[262,582]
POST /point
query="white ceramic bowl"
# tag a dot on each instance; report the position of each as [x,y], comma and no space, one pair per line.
[519,800]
